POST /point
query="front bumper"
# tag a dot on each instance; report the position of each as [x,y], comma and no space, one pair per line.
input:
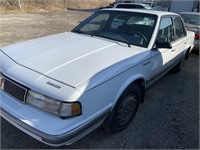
[47,128]
[55,140]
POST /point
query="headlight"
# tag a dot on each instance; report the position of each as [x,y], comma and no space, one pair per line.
[54,106]
[70,109]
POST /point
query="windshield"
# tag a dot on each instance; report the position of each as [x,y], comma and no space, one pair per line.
[191,19]
[128,27]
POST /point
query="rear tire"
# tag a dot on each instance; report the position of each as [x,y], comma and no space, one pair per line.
[179,66]
[124,110]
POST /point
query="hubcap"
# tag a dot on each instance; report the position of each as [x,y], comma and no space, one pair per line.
[126,109]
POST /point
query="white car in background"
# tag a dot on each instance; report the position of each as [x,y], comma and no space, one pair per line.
[192,23]
[59,88]
[133,6]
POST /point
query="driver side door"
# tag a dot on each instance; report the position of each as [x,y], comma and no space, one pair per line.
[162,58]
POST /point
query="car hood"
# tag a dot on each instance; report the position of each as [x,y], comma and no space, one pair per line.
[69,57]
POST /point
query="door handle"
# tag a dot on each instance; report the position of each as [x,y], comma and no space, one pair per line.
[173,50]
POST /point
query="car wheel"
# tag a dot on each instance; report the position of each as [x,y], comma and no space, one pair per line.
[179,66]
[124,110]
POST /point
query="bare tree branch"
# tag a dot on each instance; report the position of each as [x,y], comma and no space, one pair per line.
[19,4]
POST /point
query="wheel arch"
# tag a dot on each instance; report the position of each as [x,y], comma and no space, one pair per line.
[137,79]
[187,53]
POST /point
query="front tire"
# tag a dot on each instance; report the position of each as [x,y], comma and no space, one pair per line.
[124,110]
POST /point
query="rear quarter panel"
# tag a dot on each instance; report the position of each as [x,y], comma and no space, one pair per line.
[190,40]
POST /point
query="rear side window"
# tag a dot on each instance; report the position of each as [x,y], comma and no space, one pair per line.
[179,28]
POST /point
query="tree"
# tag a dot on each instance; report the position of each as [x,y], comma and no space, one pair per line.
[19,4]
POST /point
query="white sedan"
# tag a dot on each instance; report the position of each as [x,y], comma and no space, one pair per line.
[59,88]
[192,23]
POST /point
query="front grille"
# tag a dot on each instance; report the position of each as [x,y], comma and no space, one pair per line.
[14,89]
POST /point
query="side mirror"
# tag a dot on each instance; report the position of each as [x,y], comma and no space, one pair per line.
[163,45]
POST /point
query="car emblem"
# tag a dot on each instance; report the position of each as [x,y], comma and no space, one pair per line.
[54,85]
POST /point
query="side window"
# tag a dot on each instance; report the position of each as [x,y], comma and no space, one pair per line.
[166,32]
[179,28]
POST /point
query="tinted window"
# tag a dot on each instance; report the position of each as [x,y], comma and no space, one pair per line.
[129,6]
[165,33]
[179,28]
[128,27]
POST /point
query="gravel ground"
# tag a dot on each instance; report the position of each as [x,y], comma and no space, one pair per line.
[169,118]
[20,27]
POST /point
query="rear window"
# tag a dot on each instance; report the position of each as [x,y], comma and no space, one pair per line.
[129,6]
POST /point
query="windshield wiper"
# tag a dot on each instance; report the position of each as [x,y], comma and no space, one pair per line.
[124,41]
[80,32]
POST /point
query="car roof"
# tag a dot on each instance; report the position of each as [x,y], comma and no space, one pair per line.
[153,12]
[133,4]
[190,13]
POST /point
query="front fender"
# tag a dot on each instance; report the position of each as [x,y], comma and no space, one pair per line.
[127,82]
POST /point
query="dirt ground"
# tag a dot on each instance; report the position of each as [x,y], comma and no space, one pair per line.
[31,6]
[20,27]
[168,119]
